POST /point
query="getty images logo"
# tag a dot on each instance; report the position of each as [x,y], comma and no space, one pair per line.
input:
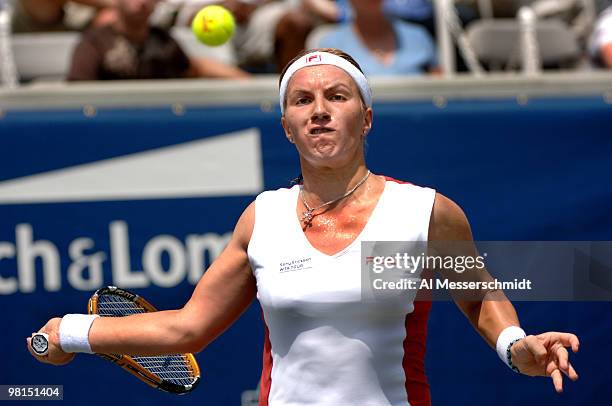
[84,269]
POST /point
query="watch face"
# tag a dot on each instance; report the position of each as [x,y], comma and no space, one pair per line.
[39,344]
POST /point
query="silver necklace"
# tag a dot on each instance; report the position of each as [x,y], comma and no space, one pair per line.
[308,214]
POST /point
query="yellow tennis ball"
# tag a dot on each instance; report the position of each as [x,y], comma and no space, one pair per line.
[213,25]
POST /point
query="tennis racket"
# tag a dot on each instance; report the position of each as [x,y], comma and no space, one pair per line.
[175,373]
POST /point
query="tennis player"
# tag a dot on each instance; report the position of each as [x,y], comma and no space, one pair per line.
[298,251]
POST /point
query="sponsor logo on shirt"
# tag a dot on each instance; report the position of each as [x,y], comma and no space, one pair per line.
[292,265]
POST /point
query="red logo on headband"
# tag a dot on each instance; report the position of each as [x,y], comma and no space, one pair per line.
[313,58]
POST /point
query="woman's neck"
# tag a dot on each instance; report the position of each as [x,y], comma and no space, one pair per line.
[324,184]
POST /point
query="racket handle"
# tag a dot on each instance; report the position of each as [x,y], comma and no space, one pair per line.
[40,344]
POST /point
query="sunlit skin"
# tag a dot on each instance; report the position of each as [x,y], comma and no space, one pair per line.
[332,162]
[324,96]
[327,121]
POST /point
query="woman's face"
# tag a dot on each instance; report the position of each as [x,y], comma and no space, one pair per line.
[325,116]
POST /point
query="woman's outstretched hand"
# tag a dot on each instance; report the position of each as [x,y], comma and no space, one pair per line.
[546,355]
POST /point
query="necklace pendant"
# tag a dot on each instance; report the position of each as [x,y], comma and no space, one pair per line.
[307,217]
[308,214]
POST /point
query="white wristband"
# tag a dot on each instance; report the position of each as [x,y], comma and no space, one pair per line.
[74,332]
[506,337]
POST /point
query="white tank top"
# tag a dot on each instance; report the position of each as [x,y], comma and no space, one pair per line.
[325,346]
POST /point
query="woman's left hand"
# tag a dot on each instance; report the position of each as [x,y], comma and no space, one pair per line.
[545,355]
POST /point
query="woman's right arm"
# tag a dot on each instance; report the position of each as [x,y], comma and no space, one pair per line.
[223,293]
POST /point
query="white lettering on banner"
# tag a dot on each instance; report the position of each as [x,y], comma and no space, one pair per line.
[7,285]
[82,262]
[85,270]
[27,252]
[120,257]
[151,261]
[197,246]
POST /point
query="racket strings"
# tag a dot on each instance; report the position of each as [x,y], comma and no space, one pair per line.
[117,306]
[173,368]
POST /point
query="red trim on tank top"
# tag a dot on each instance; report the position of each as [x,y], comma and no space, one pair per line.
[417,386]
[266,371]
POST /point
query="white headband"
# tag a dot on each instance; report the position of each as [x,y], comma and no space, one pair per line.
[325,58]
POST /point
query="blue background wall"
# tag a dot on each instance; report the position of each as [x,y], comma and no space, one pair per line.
[542,171]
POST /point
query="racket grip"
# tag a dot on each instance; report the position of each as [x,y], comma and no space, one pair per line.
[40,344]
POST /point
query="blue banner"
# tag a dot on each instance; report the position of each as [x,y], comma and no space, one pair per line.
[145,199]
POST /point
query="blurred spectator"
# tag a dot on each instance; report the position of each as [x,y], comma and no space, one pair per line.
[413,11]
[382,45]
[129,48]
[324,10]
[601,41]
[269,33]
[419,12]
[54,15]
